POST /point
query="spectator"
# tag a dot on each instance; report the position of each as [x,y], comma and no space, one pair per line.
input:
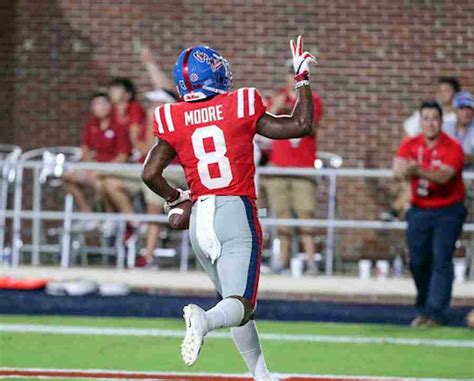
[462,128]
[131,117]
[292,194]
[446,90]
[102,141]
[433,162]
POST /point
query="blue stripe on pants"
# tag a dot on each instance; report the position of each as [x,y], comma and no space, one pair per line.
[252,272]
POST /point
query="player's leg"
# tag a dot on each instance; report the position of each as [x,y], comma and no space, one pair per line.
[238,269]
[195,318]
[247,341]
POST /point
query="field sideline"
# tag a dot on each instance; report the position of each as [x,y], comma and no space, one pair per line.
[75,344]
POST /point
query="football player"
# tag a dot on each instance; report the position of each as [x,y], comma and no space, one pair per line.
[212,132]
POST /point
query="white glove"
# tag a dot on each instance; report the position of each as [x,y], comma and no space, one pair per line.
[183,196]
[301,59]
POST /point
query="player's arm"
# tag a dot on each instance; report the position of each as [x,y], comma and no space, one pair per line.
[300,122]
[159,157]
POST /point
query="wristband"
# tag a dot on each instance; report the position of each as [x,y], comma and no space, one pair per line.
[302,77]
[301,84]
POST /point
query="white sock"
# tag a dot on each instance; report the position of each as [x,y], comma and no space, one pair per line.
[247,342]
[227,313]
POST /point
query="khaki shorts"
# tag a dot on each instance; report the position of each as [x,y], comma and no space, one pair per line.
[287,194]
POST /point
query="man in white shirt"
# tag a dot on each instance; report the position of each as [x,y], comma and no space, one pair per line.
[447,89]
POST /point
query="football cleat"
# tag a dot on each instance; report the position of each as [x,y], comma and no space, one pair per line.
[201,72]
[196,329]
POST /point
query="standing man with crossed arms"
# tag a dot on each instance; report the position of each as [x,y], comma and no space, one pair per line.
[433,162]
[212,134]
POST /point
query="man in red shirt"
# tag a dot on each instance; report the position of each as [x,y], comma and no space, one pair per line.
[102,141]
[290,194]
[433,162]
[212,134]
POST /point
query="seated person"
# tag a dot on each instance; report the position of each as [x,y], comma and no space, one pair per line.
[131,118]
[102,141]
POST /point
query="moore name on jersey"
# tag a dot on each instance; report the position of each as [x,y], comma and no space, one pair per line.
[203,115]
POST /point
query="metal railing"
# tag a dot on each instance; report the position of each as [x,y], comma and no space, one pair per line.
[36,214]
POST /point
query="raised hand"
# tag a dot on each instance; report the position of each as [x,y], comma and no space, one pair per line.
[301,59]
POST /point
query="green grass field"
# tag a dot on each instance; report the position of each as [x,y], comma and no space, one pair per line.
[156,353]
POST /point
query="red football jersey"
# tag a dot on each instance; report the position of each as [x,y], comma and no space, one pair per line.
[299,152]
[447,151]
[214,141]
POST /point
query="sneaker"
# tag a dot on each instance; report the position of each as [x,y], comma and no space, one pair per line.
[389,215]
[196,329]
[431,323]
[419,321]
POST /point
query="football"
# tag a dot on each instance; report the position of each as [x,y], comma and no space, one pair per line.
[179,215]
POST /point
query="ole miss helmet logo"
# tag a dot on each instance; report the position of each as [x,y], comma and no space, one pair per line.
[214,62]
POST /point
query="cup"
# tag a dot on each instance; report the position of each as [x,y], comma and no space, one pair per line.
[365,266]
[459,270]
[382,267]
[296,266]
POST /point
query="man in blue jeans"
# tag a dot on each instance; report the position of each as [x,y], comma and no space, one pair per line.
[433,162]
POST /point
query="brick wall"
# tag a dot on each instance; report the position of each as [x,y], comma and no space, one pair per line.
[7,64]
[378,59]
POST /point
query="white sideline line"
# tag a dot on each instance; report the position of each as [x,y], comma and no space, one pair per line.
[113,331]
[280,376]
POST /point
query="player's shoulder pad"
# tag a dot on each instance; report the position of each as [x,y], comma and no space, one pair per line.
[164,119]
[249,102]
